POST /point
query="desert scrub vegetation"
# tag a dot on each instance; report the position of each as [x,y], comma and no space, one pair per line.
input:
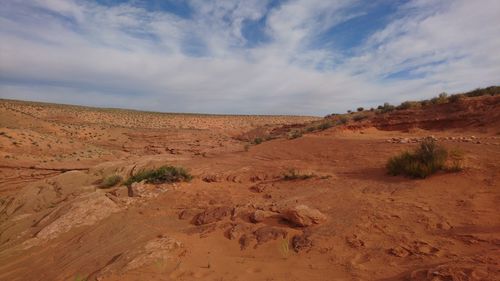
[387,107]
[409,105]
[489,91]
[164,174]
[293,174]
[424,161]
[294,134]
[359,117]
[440,99]
[257,141]
[110,181]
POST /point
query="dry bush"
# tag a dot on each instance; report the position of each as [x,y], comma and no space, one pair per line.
[164,174]
[426,160]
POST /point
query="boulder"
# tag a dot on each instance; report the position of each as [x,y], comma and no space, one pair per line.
[302,215]
[212,215]
[260,215]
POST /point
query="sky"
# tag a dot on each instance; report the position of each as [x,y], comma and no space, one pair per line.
[304,57]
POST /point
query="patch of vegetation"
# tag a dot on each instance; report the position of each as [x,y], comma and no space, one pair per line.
[359,117]
[164,174]
[325,125]
[359,109]
[285,247]
[426,160]
[409,105]
[387,107]
[257,141]
[455,161]
[440,99]
[491,91]
[456,97]
[295,134]
[343,120]
[293,174]
[110,181]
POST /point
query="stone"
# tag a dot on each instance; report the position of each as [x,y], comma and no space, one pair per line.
[302,215]
[260,215]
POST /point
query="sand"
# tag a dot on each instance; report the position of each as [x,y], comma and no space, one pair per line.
[239,218]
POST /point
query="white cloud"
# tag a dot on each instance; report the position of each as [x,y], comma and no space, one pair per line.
[130,57]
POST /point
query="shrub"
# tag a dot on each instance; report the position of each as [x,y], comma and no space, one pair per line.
[164,174]
[359,117]
[293,174]
[295,134]
[257,141]
[387,107]
[409,104]
[359,109]
[426,160]
[492,91]
[343,120]
[325,125]
[310,129]
[456,97]
[425,103]
[110,181]
[440,99]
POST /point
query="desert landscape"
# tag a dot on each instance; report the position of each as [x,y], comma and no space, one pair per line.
[83,195]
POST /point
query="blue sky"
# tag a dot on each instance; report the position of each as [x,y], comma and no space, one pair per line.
[309,57]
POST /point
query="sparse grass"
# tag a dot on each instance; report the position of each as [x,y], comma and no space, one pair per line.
[285,247]
[164,174]
[455,161]
[426,160]
[110,181]
[293,174]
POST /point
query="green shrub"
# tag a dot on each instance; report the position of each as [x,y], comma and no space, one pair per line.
[359,109]
[110,181]
[426,160]
[257,141]
[164,174]
[387,107]
[293,174]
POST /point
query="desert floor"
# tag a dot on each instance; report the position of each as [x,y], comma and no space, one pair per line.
[230,222]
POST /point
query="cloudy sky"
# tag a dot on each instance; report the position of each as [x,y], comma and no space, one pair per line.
[309,57]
